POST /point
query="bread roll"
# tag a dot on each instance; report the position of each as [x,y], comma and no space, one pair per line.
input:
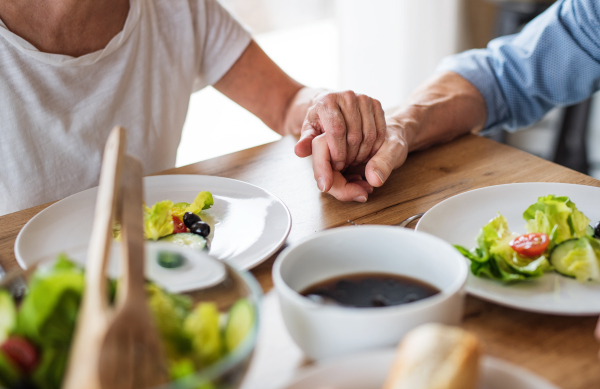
[435,356]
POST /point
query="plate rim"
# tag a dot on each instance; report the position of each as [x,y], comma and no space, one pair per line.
[487,361]
[490,298]
[254,264]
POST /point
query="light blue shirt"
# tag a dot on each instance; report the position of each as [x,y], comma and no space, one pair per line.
[553,61]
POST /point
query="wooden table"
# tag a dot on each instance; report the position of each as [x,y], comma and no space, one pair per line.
[562,349]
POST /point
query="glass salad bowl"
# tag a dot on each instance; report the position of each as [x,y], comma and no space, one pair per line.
[208,322]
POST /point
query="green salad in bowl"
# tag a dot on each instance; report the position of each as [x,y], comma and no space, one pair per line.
[559,238]
[208,334]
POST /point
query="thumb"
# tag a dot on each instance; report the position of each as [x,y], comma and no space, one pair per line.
[304,146]
[390,155]
[308,132]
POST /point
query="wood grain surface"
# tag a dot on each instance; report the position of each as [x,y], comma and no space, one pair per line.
[561,349]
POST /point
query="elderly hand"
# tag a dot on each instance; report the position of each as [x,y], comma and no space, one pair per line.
[353,125]
[352,187]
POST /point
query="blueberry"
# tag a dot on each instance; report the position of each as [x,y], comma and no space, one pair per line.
[597,230]
[189,218]
[200,228]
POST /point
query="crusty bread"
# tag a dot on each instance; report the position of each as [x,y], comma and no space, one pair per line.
[435,356]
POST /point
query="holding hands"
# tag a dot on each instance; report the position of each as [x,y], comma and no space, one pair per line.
[346,134]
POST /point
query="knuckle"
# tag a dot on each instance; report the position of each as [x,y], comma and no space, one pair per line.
[323,102]
[397,146]
[337,130]
[387,164]
[370,137]
[311,113]
[377,109]
[349,96]
[329,98]
[354,139]
[395,139]
[364,99]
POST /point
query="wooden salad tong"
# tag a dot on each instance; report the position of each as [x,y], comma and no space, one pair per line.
[116,347]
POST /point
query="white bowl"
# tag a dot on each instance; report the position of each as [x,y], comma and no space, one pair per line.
[325,331]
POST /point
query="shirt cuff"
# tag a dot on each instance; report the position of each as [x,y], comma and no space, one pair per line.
[475,67]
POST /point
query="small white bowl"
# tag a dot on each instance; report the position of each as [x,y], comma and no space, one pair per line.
[325,331]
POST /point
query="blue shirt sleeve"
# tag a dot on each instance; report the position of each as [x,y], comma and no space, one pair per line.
[553,61]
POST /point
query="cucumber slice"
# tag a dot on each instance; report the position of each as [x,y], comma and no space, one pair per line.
[186,239]
[239,324]
[577,258]
[589,231]
[8,314]
[170,260]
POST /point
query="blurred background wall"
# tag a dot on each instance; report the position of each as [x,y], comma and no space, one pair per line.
[382,48]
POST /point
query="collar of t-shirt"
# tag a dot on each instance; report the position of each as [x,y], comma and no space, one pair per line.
[135,10]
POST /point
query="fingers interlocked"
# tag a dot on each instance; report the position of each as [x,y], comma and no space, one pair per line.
[351,129]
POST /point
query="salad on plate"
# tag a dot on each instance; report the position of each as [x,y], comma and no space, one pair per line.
[559,238]
[177,223]
[36,332]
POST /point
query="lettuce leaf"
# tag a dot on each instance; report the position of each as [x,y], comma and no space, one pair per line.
[204,200]
[48,312]
[158,221]
[495,259]
[10,373]
[558,217]
[202,326]
[8,314]
[179,209]
[169,311]
[47,316]
[51,368]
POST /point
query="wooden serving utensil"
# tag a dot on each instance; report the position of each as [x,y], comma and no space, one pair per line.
[132,355]
[93,318]
[116,348]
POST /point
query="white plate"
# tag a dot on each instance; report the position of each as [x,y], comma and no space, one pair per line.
[369,371]
[459,219]
[250,224]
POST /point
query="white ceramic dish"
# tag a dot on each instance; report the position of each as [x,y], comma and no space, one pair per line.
[458,220]
[325,331]
[369,370]
[250,224]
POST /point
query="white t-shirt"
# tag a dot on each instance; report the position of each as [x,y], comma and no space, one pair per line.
[56,111]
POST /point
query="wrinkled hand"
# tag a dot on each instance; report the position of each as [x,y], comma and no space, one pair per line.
[353,124]
[353,187]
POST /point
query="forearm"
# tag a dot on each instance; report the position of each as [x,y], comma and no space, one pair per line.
[256,83]
[444,108]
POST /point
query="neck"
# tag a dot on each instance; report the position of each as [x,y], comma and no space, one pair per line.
[70,27]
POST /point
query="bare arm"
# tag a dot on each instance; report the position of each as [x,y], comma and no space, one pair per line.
[444,108]
[256,83]
[352,124]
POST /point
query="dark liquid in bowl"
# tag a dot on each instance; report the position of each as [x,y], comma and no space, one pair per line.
[365,290]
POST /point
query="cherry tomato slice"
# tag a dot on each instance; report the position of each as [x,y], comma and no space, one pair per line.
[21,352]
[178,225]
[530,245]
